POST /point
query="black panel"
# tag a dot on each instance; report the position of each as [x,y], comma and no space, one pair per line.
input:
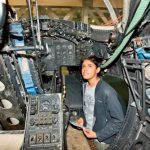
[44,125]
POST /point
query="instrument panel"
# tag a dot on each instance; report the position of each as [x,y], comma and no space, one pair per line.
[44,125]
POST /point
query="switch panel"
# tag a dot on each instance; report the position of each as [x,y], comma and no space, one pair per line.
[44,123]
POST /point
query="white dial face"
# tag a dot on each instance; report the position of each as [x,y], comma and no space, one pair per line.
[2,87]
[45,106]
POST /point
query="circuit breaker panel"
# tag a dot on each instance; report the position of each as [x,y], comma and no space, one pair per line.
[44,123]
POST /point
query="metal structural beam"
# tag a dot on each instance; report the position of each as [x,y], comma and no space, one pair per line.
[85,9]
[100,3]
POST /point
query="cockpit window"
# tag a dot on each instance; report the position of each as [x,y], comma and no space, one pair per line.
[105,12]
[95,12]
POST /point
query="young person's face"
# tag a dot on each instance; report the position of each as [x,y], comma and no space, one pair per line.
[89,70]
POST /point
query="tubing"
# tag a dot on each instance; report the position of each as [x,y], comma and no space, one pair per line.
[32,26]
[138,14]
[38,25]
[125,14]
[111,11]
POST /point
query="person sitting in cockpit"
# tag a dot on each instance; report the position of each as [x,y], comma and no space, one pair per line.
[102,112]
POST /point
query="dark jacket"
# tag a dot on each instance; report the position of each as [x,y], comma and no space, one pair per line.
[108,112]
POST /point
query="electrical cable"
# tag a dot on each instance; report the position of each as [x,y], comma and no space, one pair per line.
[138,14]
[125,14]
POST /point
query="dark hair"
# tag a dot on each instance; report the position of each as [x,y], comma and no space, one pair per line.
[97,61]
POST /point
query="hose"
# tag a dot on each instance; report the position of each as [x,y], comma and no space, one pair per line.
[125,14]
[138,14]
[111,11]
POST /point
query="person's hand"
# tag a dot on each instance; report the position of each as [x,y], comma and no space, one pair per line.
[89,133]
[80,122]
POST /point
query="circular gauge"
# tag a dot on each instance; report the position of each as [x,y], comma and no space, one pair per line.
[58,47]
[148,93]
[147,72]
[64,46]
[45,106]
[2,86]
[70,46]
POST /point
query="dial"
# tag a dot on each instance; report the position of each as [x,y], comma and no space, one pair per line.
[45,106]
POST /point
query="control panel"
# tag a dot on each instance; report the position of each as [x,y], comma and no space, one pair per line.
[59,52]
[44,123]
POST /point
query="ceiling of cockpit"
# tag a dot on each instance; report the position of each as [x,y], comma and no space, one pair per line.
[97,12]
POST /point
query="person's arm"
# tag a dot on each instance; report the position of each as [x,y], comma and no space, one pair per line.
[117,117]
